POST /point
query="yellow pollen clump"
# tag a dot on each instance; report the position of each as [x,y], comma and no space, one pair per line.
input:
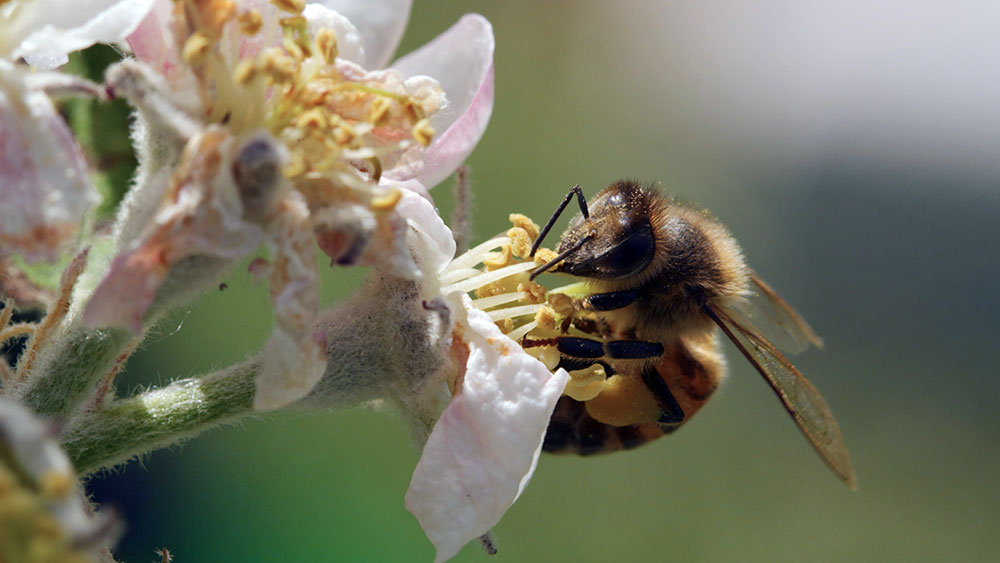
[250,22]
[625,400]
[196,47]
[524,222]
[293,6]
[423,132]
[326,42]
[585,384]
[387,201]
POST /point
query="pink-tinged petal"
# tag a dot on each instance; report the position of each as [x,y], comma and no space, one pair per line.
[152,41]
[461,59]
[432,240]
[43,176]
[380,22]
[484,447]
[350,43]
[293,358]
[201,215]
[50,30]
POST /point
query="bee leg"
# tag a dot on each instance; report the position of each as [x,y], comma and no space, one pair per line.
[580,353]
[633,349]
[611,300]
[672,416]
[577,347]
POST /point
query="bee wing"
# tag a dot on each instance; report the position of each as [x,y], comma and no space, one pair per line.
[801,399]
[773,317]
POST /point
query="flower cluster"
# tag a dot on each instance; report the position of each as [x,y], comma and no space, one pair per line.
[280,124]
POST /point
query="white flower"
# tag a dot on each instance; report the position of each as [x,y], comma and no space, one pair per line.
[43,176]
[261,125]
[484,447]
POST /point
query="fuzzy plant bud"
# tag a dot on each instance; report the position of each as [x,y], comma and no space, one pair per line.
[44,515]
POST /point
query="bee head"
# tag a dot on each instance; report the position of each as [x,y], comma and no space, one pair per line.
[617,240]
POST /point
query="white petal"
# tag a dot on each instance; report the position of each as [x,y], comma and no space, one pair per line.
[202,215]
[48,30]
[152,41]
[43,176]
[380,22]
[461,59]
[350,43]
[431,240]
[293,358]
[484,447]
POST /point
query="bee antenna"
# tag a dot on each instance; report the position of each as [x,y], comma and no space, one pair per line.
[548,265]
[548,226]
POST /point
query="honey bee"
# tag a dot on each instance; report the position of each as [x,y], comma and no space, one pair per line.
[659,281]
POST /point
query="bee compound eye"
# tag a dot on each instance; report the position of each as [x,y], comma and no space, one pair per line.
[630,256]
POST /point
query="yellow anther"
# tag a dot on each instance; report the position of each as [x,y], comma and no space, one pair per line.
[312,119]
[326,42]
[506,325]
[525,223]
[490,289]
[536,291]
[296,166]
[55,484]
[495,260]
[214,14]
[378,110]
[245,72]
[196,47]
[561,303]
[520,241]
[544,256]
[423,132]
[546,318]
[293,48]
[292,6]
[250,22]
[293,24]
[344,134]
[277,65]
[387,201]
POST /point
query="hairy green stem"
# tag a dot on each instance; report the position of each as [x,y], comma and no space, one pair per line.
[70,372]
[161,417]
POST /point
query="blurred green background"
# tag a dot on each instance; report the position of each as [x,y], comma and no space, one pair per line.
[851,149]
